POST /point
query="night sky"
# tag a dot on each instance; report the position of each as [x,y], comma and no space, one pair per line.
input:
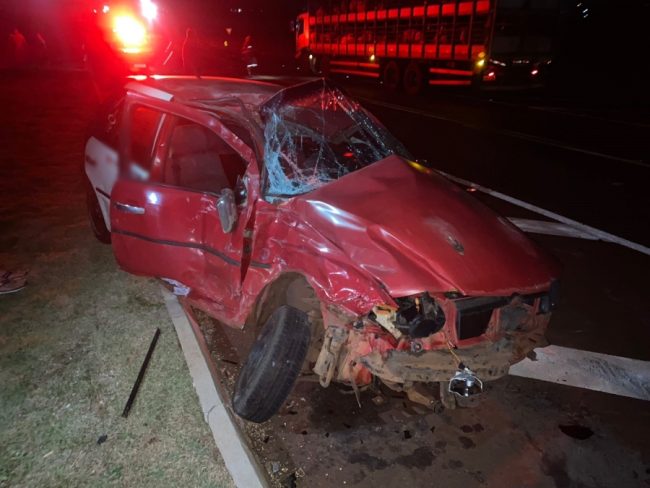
[600,47]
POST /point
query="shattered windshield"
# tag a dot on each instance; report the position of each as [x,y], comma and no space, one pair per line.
[314,134]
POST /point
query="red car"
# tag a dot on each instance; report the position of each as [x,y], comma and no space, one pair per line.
[294,211]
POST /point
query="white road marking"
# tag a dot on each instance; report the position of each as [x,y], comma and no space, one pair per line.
[238,457]
[600,234]
[509,133]
[590,370]
[550,228]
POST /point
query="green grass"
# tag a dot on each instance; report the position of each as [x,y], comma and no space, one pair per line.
[72,342]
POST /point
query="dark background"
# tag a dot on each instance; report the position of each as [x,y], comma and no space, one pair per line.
[600,53]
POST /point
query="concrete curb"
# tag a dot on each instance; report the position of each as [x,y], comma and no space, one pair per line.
[238,457]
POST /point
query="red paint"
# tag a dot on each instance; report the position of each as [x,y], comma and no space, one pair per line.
[354,72]
[448,71]
[391,229]
[355,64]
[406,245]
[450,82]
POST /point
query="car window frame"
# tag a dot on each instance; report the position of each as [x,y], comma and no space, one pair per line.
[163,148]
[201,116]
[97,128]
[126,158]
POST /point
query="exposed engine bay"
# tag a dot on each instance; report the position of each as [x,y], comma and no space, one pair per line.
[447,343]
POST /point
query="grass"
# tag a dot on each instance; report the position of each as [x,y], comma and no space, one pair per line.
[72,342]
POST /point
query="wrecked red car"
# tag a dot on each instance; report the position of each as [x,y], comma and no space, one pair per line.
[295,212]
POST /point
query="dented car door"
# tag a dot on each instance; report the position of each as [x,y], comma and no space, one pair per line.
[166,218]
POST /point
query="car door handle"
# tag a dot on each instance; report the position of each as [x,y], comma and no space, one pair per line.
[126,208]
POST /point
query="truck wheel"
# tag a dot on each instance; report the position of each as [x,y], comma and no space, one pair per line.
[319,65]
[273,364]
[413,79]
[391,76]
[95,216]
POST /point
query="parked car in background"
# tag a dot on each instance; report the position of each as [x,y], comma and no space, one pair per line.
[295,212]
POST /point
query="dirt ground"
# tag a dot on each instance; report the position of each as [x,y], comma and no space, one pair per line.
[72,342]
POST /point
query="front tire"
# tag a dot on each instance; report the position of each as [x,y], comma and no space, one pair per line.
[273,365]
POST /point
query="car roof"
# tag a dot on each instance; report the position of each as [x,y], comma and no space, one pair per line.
[190,89]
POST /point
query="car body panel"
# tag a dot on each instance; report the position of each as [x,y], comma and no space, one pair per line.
[415,231]
[363,242]
[177,237]
[101,167]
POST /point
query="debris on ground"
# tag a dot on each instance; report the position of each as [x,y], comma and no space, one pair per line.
[143,369]
[12,281]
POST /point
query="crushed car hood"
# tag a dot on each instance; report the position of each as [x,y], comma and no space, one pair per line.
[414,230]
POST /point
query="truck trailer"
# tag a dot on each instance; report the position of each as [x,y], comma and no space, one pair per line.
[412,44]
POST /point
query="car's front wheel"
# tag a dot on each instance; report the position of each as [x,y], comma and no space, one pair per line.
[273,365]
[95,216]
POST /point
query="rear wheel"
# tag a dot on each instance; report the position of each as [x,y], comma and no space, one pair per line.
[96,217]
[391,75]
[413,79]
[273,365]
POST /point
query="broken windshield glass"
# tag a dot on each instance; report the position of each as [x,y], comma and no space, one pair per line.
[314,134]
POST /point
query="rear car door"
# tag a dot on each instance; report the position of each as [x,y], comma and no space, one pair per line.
[165,221]
[101,152]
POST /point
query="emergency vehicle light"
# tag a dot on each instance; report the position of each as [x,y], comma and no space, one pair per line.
[130,32]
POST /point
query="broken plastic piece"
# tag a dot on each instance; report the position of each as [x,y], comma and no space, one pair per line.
[178,289]
[385,316]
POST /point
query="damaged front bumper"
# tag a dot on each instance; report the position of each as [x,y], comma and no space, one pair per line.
[488,361]
[512,328]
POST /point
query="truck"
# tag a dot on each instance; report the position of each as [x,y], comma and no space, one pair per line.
[412,44]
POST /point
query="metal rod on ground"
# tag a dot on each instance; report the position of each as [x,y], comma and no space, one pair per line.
[143,368]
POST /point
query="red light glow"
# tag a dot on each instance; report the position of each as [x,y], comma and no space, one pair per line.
[130,32]
[149,10]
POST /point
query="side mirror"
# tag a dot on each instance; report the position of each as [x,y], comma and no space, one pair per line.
[227,209]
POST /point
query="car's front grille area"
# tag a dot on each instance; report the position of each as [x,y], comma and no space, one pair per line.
[474,315]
